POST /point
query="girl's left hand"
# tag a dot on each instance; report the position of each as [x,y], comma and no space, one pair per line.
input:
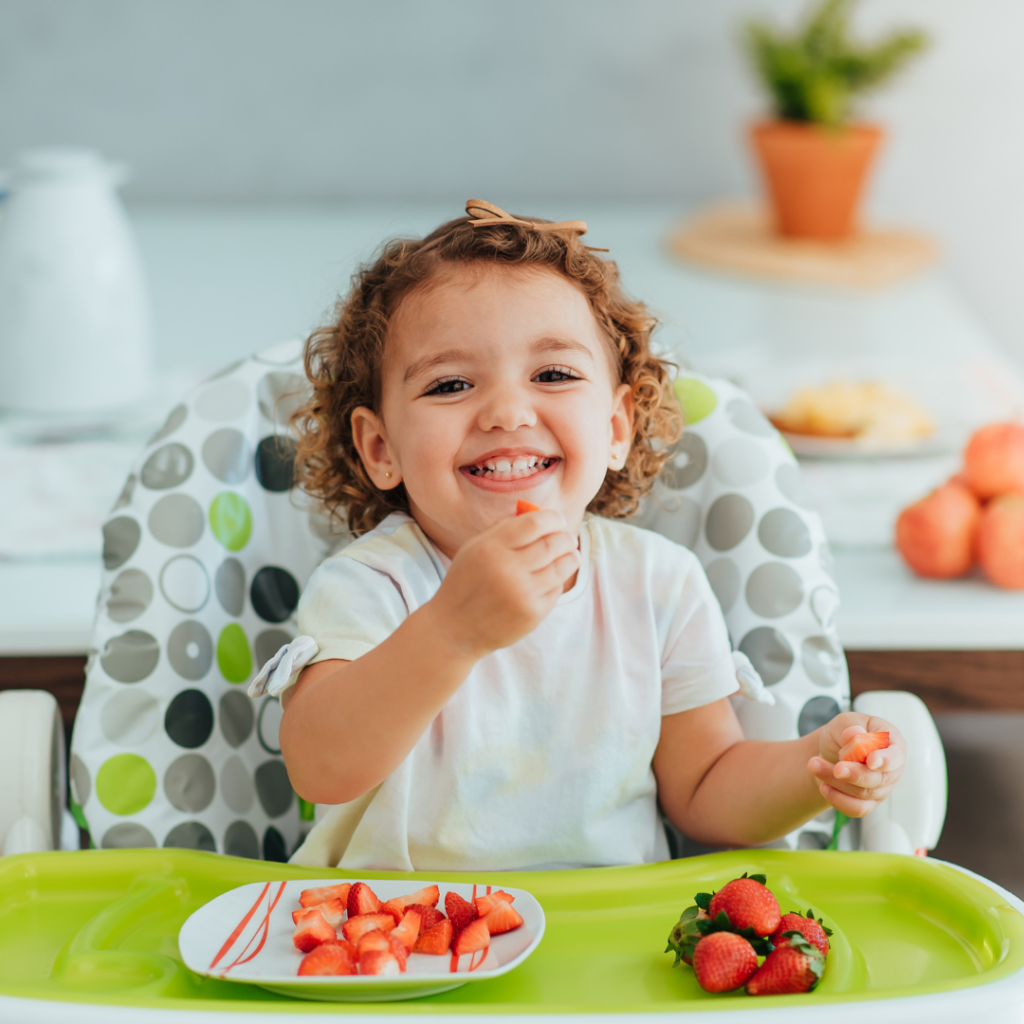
[852,788]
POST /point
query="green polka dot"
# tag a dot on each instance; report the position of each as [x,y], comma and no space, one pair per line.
[696,398]
[125,784]
[231,520]
[233,656]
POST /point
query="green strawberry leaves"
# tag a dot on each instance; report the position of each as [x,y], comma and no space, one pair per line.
[684,936]
[815,961]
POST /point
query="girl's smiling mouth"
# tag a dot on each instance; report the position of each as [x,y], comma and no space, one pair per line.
[510,469]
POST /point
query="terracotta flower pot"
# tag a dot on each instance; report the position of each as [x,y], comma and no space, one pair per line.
[815,175]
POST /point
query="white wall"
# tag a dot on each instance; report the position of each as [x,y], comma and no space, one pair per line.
[255,100]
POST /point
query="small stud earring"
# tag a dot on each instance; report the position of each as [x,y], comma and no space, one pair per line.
[387,476]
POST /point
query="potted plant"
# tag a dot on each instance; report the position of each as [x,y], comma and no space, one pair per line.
[813,155]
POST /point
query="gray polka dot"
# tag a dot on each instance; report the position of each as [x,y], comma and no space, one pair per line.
[273,845]
[761,722]
[191,835]
[686,463]
[130,717]
[824,603]
[674,517]
[268,643]
[174,420]
[769,652]
[725,581]
[268,724]
[121,537]
[189,719]
[774,590]
[729,520]
[825,559]
[167,467]
[823,660]
[236,785]
[790,483]
[240,840]
[185,583]
[739,462]
[275,463]
[128,835]
[226,372]
[782,532]
[189,783]
[226,455]
[273,788]
[130,657]
[813,840]
[236,717]
[130,594]
[223,401]
[815,713]
[281,394]
[230,586]
[748,419]
[281,354]
[177,521]
[124,499]
[190,650]
[81,783]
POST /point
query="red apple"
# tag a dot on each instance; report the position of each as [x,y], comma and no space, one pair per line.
[994,460]
[935,535]
[1000,544]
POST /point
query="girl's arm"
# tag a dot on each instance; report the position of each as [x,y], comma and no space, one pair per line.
[723,790]
[347,725]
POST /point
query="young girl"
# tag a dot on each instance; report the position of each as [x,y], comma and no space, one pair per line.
[484,690]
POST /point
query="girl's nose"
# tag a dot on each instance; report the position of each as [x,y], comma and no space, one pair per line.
[506,407]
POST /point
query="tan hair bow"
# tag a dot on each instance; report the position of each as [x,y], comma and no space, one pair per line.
[483,214]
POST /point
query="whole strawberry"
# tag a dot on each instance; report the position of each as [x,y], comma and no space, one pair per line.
[813,931]
[683,938]
[723,961]
[795,967]
[748,903]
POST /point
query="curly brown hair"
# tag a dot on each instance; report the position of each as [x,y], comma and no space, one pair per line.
[344,361]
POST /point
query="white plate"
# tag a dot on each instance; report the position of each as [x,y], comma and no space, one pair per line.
[245,935]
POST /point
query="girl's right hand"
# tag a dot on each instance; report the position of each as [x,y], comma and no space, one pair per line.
[503,582]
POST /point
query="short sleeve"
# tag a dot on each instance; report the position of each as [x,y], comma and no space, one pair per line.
[697,665]
[349,608]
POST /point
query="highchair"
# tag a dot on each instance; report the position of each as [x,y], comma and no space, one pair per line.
[206,552]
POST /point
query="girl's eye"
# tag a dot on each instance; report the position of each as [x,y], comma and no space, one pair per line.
[448,386]
[556,375]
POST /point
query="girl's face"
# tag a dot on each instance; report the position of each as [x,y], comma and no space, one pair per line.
[497,386]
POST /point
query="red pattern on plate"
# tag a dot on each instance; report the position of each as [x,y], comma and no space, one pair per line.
[261,931]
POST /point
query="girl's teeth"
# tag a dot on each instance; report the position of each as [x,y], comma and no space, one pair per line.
[519,464]
[502,465]
[531,461]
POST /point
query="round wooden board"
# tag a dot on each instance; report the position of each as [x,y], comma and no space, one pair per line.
[740,238]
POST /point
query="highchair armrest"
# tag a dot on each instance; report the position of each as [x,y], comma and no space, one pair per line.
[911,819]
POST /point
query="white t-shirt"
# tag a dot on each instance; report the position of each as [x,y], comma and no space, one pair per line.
[542,758]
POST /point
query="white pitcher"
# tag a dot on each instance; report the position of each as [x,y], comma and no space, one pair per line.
[75,332]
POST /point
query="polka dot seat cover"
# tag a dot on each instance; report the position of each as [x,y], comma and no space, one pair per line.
[206,552]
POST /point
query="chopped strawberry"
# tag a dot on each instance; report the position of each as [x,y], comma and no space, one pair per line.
[863,744]
[311,930]
[461,912]
[362,900]
[356,927]
[395,907]
[428,896]
[522,507]
[377,961]
[328,958]
[723,961]
[408,930]
[333,911]
[502,918]
[311,897]
[373,939]
[473,937]
[484,904]
[748,903]
[436,940]
[398,950]
[429,916]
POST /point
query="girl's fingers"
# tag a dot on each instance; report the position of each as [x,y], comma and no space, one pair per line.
[546,550]
[552,576]
[849,734]
[852,778]
[848,805]
[522,531]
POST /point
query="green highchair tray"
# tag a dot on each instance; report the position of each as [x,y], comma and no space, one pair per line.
[101,927]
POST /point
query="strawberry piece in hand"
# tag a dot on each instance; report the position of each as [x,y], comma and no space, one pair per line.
[436,940]
[485,904]
[795,967]
[311,897]
[863,744]
[502,917]
[522,507]
[312,930]
[748,903]
[813,931]
[723,961]
[362,900]
[461,912]
[328,958]
[472,938]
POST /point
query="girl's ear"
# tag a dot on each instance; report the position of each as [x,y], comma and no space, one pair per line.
[372,444]
[621,426]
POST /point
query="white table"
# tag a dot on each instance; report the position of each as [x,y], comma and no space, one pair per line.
[228,281]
